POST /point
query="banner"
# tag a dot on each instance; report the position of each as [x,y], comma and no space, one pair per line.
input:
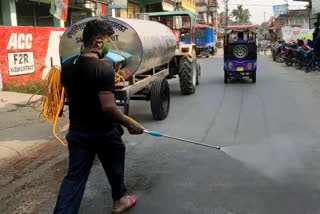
[26,53]
[101,9]
[117,4]
[167,6]
[280,10]
[290,34]
[59,9]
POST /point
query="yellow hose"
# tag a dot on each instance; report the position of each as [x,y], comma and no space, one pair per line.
[134,121]
[54,96]
[53,99]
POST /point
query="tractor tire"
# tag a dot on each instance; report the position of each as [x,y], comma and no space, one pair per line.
[160,99]
[187,76]
[198,73]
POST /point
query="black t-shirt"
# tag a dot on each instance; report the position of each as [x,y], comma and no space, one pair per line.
[83,81]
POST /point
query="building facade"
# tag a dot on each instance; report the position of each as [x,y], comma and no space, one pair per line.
[136,7]
[295,18]
[37,12]
[207,12]
[290,27]
[314,7]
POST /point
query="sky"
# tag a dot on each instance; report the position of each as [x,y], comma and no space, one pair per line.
[260,9]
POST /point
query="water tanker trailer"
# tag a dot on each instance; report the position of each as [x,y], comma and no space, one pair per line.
[141,55]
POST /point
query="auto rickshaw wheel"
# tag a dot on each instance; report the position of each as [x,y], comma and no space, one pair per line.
[212,51]
[254,77]
[226,77]
[187,76]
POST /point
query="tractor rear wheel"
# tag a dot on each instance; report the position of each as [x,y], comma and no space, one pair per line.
[187,76]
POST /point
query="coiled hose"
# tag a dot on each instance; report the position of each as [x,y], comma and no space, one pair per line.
[52,101]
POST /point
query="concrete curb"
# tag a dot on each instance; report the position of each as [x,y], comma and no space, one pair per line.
[9,101]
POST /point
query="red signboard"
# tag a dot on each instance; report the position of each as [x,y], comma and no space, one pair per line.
[26,52]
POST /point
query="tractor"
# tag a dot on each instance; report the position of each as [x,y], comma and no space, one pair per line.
[184,63]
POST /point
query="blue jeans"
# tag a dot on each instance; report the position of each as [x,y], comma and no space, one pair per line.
[83,147]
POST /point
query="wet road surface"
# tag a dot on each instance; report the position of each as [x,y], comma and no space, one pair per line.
[269,132]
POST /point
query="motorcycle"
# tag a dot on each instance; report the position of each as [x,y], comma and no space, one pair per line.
[313,64]
[303,57]
[289,53]
[277,52]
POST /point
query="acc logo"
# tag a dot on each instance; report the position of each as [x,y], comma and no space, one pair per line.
[20,41]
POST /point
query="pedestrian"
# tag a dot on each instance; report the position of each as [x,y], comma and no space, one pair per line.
[240,39]
[95,122]
[315,33]
[309,43]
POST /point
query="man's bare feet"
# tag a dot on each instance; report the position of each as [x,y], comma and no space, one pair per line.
[123,204]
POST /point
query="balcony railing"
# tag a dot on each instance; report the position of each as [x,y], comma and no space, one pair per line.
[202,2]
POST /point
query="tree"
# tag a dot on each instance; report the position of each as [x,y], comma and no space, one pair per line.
[241,16]
[223,19]
[262,28]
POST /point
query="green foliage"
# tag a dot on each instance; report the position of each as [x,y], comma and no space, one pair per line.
[29,87]
[241,16]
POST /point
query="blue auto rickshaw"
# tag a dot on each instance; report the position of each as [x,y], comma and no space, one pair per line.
[240,52]
[205,40]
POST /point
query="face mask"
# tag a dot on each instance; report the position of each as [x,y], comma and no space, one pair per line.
[104,51]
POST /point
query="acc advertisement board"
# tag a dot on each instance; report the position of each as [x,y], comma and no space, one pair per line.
[26,52]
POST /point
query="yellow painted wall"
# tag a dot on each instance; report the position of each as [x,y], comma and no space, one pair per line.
[124,13]
[133,9]
[189,5]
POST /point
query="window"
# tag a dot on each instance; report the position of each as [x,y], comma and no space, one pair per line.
[214,13]
[200,33]
[154,7]
[75,15]
[33,14]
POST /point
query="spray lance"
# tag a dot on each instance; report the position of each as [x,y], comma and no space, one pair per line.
[158,134]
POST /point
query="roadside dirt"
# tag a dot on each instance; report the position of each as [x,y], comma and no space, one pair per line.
[29,182]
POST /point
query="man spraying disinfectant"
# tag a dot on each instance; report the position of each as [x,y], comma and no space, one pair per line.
[95,122]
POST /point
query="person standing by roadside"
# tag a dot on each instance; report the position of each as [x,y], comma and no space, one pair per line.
[315,33]
[95,122]
[316,41]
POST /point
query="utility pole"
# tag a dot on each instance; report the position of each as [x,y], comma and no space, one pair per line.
[227,12]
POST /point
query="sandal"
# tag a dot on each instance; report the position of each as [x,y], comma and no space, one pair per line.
[126,203]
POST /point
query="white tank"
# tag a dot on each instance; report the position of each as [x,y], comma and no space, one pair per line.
[150,44]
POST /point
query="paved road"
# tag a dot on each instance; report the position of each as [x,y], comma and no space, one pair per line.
[270,134]
[269,163]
